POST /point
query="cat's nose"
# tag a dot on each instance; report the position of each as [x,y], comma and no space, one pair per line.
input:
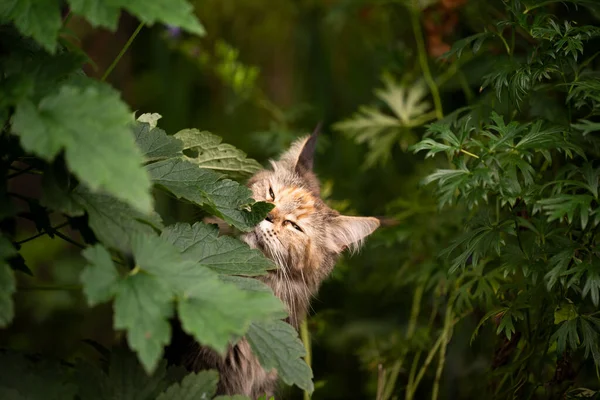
[269,217]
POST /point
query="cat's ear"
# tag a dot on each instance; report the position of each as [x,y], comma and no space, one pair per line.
[350,232]
[300,156]
[306,157]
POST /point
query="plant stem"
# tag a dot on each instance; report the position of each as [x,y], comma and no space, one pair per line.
[391,382]
[123,50]
[69,240]
[468,153]
[19,172]
[446,334]
[54,228]
[305,335]
[50,287]
[418,32]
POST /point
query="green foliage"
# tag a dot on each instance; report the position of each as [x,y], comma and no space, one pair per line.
[512,245]
[98,169]
[41,19]
[210,153]
[98,147]
[276,347]
[381,131]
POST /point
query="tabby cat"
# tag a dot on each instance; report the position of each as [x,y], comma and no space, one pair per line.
[304,237]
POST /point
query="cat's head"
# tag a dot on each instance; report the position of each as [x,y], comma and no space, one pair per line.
[302,234]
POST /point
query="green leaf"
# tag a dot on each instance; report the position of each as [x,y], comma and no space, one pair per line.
[225,255]
[39,19]
[99,277]
[207,151]
[592,286]
[30,379]
[143,302]
[172,12]
[590,338]
[98,12]
[382,131]
[474,41]
[565,312]
[568,205]
[7,283]
[154,143]
[566,333]
[201,385]
[224,198]
[124,379]
[114,222]
[586,127]
[143,305]
[276,345]
[98,145]
[506,324]
[215,312]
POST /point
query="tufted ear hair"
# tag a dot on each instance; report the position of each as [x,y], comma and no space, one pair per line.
[300,156]
[350,232]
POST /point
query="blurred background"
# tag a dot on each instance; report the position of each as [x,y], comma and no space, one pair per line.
[265,73]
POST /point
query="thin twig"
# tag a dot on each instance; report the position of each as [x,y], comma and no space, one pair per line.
[69,240]
[52,229]
[19,172]
[305,335]
[50,287]
[418,32]
[446,334]
[122,52]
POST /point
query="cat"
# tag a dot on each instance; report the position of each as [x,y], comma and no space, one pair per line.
[304,237]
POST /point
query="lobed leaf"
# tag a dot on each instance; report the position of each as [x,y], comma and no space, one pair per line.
[207,151]
[276,345]
[98,146]
[225,255]
[39,19]
[154,143]
[200,385]
[172,12]
[222,197]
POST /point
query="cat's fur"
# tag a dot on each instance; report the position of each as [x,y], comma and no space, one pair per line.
[304,237]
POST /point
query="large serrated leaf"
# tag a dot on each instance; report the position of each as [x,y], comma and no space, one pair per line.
[106,13]
[114,222]
[98,12]
[98,146]
[100,276]
[201,385]
[222,197]
[143,305]
[276,345]
[39,19]
[211,310]
[154,143]
[207,151]
[224,308]
[225,255]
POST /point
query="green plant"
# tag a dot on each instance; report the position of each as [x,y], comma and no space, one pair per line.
[99,167]
[518,221]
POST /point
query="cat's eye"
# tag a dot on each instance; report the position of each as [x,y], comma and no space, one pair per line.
[294,225]
[271,194]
